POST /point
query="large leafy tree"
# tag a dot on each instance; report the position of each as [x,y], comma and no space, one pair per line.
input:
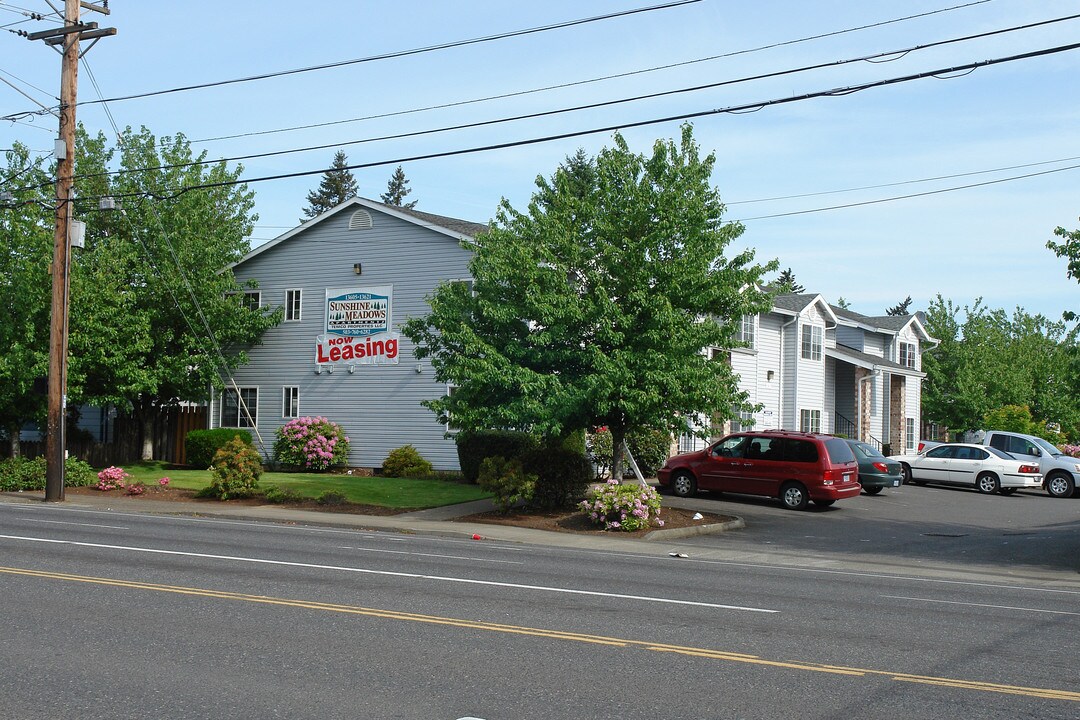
[396,190]
[156,315]
[26,243]
[1068,248]
[594,307]
[336,186]
[988,360]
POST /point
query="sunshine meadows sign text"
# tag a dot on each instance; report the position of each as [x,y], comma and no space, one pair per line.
[357,330]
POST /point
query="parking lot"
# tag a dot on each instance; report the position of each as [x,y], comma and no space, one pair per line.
[910,526]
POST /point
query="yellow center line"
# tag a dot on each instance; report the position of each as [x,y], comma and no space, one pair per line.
[975,685]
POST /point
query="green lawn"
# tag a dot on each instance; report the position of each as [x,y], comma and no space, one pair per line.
[383,491]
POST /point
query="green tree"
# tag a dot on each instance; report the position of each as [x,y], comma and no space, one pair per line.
[843,303]
[396,190]
[337,186]
[1068,248]
[987,360]
[785,283]
[593,308]
[156,315]
[26,243]
[900,308]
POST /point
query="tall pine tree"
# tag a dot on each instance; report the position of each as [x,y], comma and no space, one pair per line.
[396,190]
[337,186]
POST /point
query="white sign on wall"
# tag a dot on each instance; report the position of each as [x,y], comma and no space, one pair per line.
[357,327]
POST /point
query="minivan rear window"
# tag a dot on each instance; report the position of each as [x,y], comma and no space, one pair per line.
[839,451]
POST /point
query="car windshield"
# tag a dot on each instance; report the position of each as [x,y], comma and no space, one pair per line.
[1048,447]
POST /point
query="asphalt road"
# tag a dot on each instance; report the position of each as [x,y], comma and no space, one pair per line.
[116,615]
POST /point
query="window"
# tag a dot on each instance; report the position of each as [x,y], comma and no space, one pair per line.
[909,433]
[239,411]
[811,342]
[746,330]
[292,304]
[810,420]
[743,420]
[802,451]
[250,299]
[290,402]
[907,354]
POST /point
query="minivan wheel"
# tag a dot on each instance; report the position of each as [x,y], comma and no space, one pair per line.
[987,483]
[683,484]
[793,496]
[1060,485]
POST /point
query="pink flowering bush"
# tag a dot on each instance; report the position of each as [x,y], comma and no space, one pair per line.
[313,443]
[112,478]
[135,488]
[1071,450]
[164,482]
[623,507]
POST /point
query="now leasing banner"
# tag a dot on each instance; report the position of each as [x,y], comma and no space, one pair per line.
[357,330]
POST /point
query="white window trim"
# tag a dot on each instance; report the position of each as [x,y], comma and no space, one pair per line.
[299,304]
[817,342]
[810,420]
[287,391]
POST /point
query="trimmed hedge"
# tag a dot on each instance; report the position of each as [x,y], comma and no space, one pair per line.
[563,475]
[473,447]
[200,446]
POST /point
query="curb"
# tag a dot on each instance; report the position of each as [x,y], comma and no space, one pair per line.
[736,523]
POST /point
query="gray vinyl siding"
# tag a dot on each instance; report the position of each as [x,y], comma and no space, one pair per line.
[850,336]
[378,406]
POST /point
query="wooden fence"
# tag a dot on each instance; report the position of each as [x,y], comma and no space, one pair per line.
[125,444]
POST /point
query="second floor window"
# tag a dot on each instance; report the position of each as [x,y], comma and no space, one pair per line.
[292,304]
[746,330]
[907,354]
[811,342]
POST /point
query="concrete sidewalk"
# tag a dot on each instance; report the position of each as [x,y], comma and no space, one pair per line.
[433,521]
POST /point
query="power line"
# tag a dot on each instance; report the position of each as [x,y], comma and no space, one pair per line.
[615,76]
[546,113]
[405,53]
[736,109]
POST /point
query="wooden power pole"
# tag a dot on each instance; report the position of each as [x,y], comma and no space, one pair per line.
[67,37]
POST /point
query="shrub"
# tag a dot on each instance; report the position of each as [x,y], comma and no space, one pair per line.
[474,447]
[330,497]
[237,467]
[650,449]
[22,474]
[279,495]
[313,443]
[507,481]
[563,475]
[201,445]
[405,461]
[598,448]
[112,478]
[622,507]
[135,488]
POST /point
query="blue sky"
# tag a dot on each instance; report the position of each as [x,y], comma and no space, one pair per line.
[788,161]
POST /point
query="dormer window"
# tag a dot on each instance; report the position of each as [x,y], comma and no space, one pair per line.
[908,352]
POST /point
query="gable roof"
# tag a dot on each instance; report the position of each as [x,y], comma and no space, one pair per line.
[452,227]
[795,303]
[870,362]
[888,324]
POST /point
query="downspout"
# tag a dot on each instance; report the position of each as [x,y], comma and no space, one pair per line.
[783,358]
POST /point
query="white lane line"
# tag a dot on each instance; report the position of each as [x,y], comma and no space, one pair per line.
[431,555]
[390,573]
[61,522]
[982,605]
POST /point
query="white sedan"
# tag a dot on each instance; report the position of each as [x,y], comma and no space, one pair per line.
[987,469]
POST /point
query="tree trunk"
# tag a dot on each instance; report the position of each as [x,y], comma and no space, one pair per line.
[16,447]
[147,434]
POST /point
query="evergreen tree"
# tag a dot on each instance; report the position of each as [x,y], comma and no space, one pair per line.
[786,283]
[337,186]
[901,308]
[396,190]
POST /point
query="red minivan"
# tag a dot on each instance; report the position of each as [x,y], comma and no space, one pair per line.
[795,467]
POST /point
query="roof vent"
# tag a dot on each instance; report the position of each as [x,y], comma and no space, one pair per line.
[360,220]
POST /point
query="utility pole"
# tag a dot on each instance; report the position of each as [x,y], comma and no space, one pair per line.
[68,37]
